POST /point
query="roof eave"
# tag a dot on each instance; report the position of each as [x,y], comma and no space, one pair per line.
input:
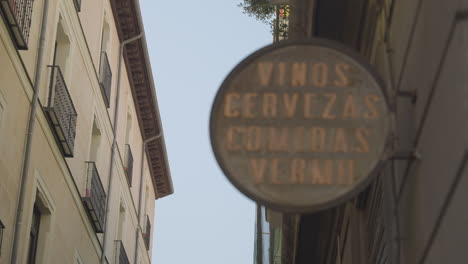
[127,16]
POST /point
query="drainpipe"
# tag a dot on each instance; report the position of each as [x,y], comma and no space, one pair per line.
[140,194]
[29,136]
[114,143]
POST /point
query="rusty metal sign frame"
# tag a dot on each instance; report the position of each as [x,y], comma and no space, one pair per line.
[340,48]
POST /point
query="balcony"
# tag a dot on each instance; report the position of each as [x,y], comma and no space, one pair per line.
[17,15]
[105,78]
[281,23]
[147,234]
[61,113]
[128,164]
[77,5]
[94,198]
[120,254]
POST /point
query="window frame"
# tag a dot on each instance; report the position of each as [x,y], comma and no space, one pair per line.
[34,233]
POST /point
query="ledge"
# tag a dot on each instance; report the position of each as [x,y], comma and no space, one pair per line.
[127,16]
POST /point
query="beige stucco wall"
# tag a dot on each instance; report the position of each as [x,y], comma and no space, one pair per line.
[66,231]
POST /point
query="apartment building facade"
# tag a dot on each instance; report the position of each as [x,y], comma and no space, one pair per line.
[83,154]
[414,210]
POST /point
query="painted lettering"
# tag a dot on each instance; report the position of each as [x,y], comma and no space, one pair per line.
[320,74]
[298,74]
[341,144]
[372,112]
[274,171]
[349,110]
[322,175]
[254,139]
[229,110]
[269,105]
[298,168]
[290,104]
[257,169]
[331,99]
[278,139]
[361,135]
[341,70]
[309,102]
[318,139]
[265,69]
[233,138]
[248,106]
[299,139]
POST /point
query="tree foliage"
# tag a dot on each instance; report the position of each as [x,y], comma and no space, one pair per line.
[262,10]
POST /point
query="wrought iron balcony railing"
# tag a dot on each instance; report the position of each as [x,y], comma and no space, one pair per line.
[120,254]
[61,112]
[17,15]
[128,164]
[281,23]
[147,234]
[2,227]
[77,5]
[94,197]
[105,78]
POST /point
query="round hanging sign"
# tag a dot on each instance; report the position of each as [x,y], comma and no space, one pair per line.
[300,126]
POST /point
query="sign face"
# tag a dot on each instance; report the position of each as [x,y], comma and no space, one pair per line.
[300,126]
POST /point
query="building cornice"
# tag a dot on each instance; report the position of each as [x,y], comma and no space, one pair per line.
[127,16]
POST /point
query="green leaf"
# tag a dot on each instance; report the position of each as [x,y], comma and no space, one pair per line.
[262,10]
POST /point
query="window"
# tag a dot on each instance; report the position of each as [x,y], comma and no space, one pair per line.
[95,142]
[78,5]
[60,110]
[128,158]
[2,227]
[105,72]
[147,224]
[94,196]
[34,235]
[41,224]
[105,41]
[147,190]
[62,48]
[128,128]
[147,234]
[120,231]
[2,109]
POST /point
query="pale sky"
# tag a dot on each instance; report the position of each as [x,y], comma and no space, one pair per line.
[193,45]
